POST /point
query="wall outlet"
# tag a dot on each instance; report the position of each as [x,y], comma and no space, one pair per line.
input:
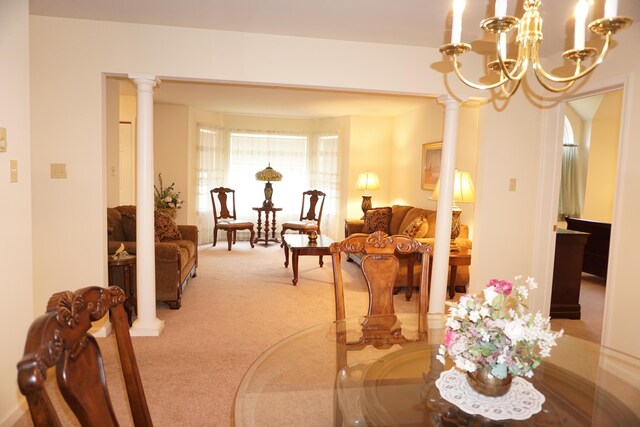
[512,184]
[3,140]
[59,170]
[13,171]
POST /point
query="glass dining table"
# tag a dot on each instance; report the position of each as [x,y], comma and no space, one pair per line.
[327,375]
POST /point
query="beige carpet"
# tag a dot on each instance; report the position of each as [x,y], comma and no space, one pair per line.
[240,304]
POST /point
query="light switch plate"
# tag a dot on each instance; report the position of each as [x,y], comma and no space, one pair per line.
[512,184]
[3,140]
[13,171]
[59,170]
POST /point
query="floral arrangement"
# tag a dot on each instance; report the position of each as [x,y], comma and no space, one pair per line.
[495,330]
[167,197]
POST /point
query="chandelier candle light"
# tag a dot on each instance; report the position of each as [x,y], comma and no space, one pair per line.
[529,37]
[268,174]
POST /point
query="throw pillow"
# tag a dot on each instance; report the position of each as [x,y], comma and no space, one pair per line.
[418,226]
[165,227]
[377,219]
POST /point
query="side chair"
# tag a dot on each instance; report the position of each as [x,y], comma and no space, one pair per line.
[225,218]
[380,328]
[59,339]
[310,214]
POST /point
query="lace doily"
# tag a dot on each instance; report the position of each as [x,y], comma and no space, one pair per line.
[521,401]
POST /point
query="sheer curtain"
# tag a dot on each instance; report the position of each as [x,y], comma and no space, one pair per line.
[213,155]
[570,178]
[252,151]
[231,158]
[324,175]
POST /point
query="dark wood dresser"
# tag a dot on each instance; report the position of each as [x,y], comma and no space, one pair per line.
[567,273]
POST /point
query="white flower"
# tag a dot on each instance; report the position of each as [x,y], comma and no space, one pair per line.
[167,199]
[474,315]
[514,330]
[440,358]
[489,295]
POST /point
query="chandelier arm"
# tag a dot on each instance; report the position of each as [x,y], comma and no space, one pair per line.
[475,85]
[522,65]
[551,88]
[538,65]
[513,90]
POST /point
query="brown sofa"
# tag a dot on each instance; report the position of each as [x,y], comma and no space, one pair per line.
[176,260]
[401,217]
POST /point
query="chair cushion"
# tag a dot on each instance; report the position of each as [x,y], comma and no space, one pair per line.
[300,225]
[165,227]
[377,219]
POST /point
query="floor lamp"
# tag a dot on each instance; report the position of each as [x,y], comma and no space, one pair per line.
[367,181]
[463,191]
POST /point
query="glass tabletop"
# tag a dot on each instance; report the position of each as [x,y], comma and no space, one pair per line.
[314,378]
[302,241]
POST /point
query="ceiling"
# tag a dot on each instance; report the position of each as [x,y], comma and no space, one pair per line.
[423,23]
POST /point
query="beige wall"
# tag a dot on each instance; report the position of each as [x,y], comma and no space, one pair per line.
[603,156]
[370,149]
[15,253]
[170,151]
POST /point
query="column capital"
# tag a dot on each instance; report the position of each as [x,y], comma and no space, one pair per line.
[141,78]
[448,101]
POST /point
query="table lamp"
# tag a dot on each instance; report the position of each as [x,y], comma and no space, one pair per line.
[367,181]
[464,192]
[268,174]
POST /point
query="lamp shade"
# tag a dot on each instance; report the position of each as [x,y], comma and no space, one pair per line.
[268,174]
[463,190]
[368,181]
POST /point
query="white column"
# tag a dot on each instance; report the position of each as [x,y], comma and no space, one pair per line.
[147,324]
[445,203]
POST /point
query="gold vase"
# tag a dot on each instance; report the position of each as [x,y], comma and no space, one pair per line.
[484,383]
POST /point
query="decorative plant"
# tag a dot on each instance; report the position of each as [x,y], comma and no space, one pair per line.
[495,330]
[167,197]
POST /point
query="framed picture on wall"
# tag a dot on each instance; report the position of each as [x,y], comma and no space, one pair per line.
[431,155]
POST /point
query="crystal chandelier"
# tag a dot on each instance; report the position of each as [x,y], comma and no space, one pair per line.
[528,38]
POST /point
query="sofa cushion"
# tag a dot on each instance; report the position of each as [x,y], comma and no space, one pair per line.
[377,219]
[398,212]
[114,225]
[165,227]
[411,216]
[416,228]
[129,226]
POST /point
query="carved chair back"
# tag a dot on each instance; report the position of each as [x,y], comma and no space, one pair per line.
[59,339]
[380,268]
[221,210]
[312,206]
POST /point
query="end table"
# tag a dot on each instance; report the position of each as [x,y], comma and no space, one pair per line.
[462,257]
[122,273]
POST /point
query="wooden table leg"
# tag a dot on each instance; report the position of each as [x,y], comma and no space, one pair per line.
[409,293]
[266,227]
[295,255]
[321,261]
[259,227]
[452,281]
[286,255]
[273,228]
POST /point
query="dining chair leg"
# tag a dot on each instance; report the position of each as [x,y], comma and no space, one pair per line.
[251,239]
[215,236]
[229,237]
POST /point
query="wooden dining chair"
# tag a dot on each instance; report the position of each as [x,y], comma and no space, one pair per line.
[380,328]
[59,339]
[310,214]
[225,217]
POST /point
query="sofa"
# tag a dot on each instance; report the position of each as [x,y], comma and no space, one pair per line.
[176,250]
[402,218]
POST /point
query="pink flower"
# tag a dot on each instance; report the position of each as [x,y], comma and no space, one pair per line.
[449,336]
[503,287]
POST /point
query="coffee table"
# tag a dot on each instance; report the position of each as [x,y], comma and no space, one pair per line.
[299,244]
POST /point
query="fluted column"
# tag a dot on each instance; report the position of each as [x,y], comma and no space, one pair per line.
[147,324]
[445,203]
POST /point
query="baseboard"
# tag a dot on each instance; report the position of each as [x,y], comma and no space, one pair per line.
[14,414]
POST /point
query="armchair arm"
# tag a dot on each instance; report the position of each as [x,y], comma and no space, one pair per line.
[167,252]
[189,232]
[352,226]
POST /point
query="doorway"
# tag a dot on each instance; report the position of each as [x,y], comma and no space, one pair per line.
[591,134]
